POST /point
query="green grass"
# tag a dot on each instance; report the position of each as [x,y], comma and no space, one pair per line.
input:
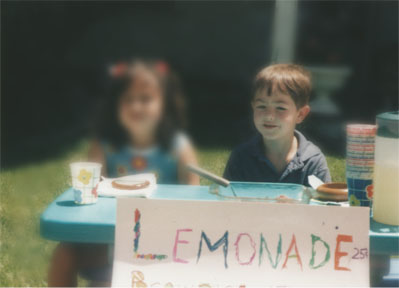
[26,191]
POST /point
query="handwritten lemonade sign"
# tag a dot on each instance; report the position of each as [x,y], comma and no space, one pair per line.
[172,243]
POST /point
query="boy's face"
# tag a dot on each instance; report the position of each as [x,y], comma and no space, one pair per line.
[276,115]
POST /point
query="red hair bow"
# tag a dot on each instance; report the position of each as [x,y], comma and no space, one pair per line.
[162,67]
[118,70]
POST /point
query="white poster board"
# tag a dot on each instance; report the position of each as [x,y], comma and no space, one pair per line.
[174,243]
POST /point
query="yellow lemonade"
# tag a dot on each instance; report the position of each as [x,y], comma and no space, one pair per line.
[386,182]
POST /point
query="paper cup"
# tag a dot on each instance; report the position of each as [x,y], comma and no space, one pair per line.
[85,177]
[360,163]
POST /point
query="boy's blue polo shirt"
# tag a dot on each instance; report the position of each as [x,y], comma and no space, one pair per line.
[248,163]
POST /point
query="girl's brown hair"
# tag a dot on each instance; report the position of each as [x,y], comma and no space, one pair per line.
[290,79]
[108,128]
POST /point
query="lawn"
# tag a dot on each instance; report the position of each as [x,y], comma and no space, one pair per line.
[26,191]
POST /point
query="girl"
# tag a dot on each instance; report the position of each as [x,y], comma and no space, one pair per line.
[138,132]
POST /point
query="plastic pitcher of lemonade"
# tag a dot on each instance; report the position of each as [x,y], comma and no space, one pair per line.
[386,169]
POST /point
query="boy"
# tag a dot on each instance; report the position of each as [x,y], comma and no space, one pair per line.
[278,152]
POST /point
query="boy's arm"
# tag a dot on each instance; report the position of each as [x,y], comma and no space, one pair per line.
[321,170]
[324,175]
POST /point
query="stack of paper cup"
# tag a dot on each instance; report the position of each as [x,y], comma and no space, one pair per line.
[85,177]
[360,163]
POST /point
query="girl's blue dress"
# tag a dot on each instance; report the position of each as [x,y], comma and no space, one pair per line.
[128,161]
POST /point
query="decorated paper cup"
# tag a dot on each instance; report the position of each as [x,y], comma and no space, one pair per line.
[360,163]
[85,177]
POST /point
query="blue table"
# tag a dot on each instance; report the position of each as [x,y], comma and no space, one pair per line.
[65,221]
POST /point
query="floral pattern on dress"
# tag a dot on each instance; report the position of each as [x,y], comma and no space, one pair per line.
[139,163]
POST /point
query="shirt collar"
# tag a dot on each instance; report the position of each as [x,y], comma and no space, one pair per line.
[303,152]
[306,149]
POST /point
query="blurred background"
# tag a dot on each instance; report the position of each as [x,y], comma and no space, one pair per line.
[55,57]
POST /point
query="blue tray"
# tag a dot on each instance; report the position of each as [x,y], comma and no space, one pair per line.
[269,192]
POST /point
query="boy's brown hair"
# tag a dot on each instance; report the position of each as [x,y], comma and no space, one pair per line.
[290,79]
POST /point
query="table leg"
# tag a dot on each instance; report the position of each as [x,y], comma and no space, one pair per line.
[379,267]
[111,253]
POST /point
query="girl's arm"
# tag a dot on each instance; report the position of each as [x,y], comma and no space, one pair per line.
[187,156]
[96,154]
